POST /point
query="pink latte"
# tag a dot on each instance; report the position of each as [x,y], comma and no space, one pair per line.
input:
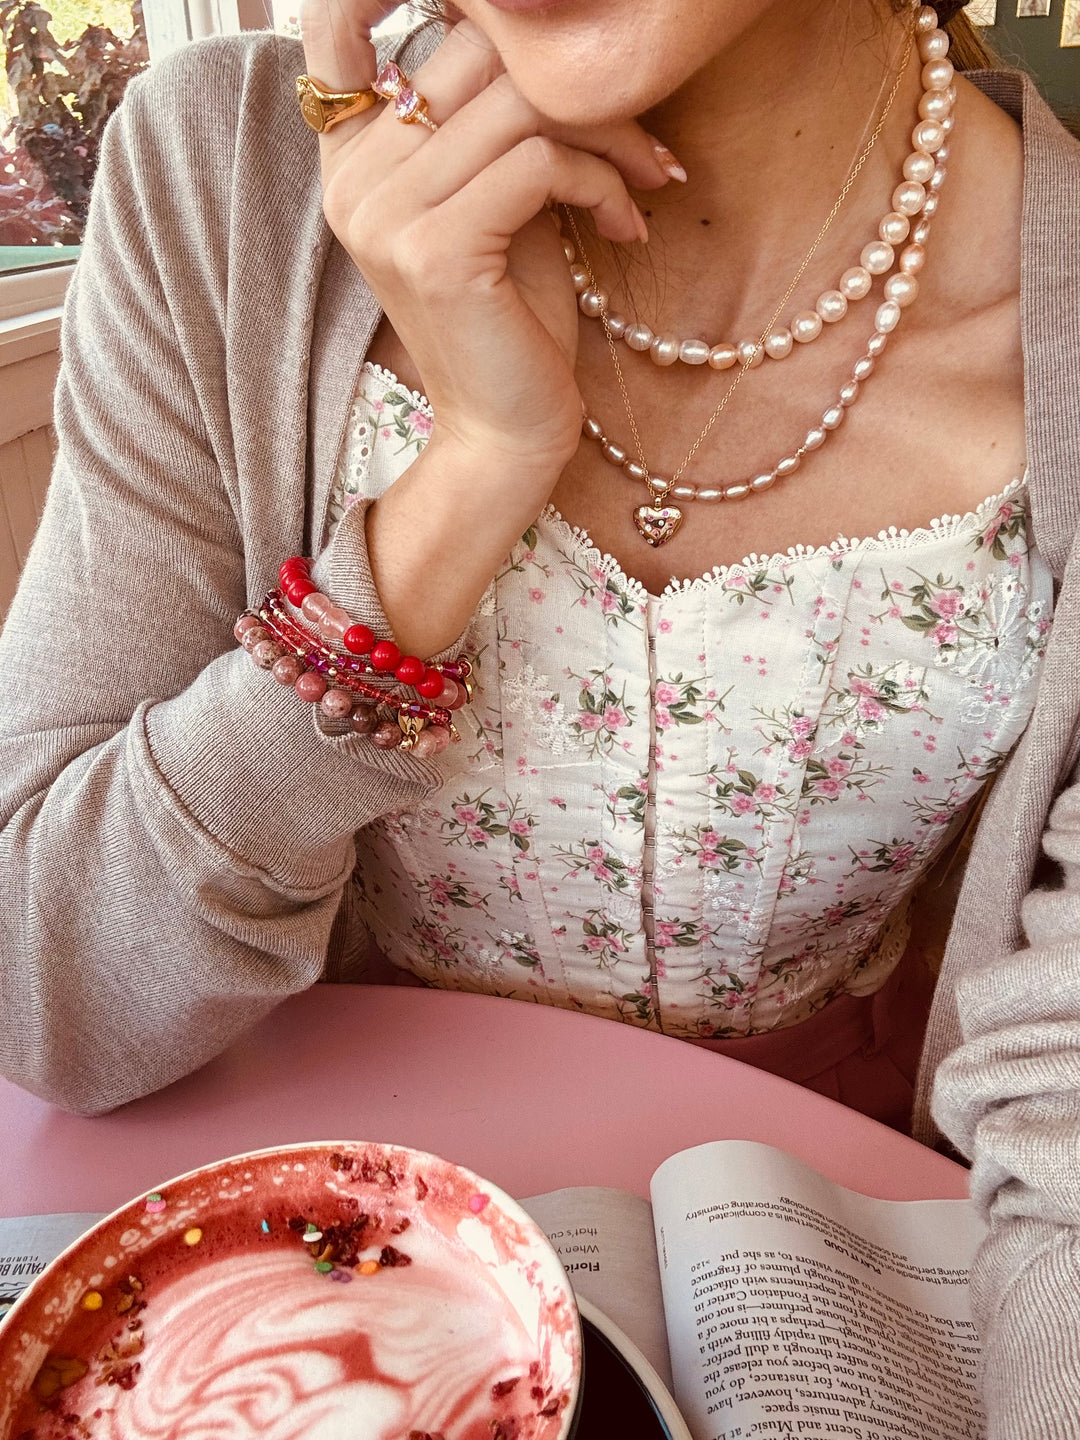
[345,1292]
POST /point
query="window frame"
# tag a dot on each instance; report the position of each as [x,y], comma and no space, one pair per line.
[32,300]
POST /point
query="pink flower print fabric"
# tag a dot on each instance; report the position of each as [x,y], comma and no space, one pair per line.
[704,811]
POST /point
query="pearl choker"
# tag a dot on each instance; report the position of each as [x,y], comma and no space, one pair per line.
[913,200]
[921,180]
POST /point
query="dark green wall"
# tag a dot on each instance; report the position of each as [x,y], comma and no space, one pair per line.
[1033,44]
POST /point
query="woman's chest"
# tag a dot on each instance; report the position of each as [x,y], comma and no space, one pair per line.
[936,426]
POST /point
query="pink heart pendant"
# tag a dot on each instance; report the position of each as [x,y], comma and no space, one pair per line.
[657,523]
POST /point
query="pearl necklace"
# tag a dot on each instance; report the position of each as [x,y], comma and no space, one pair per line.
[659,520]
[920,176]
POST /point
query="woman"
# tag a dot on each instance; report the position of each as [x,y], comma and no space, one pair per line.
[697,806]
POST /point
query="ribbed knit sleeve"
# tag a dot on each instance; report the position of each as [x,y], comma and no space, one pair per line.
[175,832]
[1009,1098]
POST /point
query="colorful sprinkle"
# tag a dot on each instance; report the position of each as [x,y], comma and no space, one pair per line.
[323,1267]
[155,1204]
[341,1275]
[369,1267]
[192,1236]
[265,1227]
[92,1300]
[478,1203]
[312,1233]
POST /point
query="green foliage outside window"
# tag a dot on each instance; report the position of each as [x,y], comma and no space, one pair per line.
[66,68]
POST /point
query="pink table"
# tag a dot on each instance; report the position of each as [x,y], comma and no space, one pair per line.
[532,1097]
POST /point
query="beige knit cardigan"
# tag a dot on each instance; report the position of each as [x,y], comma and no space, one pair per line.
[176,836]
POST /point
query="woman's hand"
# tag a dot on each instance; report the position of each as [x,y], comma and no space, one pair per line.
[449,231]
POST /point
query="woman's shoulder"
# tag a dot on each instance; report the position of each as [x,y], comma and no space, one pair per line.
[213,97]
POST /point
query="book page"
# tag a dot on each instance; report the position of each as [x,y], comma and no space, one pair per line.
[796,1307]
[28,1243]
[606,1243]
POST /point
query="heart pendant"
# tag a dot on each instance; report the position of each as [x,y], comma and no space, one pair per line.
[657,523]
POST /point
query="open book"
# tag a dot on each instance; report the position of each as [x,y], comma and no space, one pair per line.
[776,1303]
[771,1301]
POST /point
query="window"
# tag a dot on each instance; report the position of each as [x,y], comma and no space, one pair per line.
[66,69]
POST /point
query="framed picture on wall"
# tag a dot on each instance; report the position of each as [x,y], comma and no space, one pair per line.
[1026,9]
[1070,24]
[981,12]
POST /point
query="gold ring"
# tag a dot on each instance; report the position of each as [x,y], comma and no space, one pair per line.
[410,106]
[322,109]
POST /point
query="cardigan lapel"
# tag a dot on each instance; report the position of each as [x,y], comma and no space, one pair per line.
[1050,314]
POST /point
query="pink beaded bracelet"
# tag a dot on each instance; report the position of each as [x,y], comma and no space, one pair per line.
[299,657]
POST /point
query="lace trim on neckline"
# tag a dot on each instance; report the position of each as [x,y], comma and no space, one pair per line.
[388,378]
[943,527]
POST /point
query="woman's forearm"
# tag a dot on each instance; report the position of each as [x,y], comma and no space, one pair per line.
[440,533]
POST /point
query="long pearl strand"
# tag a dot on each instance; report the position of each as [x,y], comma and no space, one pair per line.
[659,520]
[922,177]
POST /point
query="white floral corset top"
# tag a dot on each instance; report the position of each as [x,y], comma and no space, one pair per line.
[703,811]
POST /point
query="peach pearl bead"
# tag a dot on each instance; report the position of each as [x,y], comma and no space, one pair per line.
[750,354]
[918,166]
[664,350]
[933,45]
[616,325]
[926,20]
[806,326]
[694,352]
[874,346]
[921,233]
[912,259]
[902,288]
[580,276]
[877,257]
[887,317]
[937,74]
[638,336]
[929,135]
[909,197]
[894,228]
[815,438]
[723,357]
[856,282]
[832,306]
[779,344]
[935,105]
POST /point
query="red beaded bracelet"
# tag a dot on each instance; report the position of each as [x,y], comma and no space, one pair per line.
[301,658]
[294,577]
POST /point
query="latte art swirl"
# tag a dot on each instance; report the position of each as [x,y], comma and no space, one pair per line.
[259,1345]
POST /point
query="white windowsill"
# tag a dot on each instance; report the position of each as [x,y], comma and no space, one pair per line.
[31,304]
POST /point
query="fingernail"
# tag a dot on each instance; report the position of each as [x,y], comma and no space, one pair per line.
[668,162]
[642,228]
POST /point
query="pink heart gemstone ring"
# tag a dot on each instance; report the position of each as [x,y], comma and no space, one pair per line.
[410,106]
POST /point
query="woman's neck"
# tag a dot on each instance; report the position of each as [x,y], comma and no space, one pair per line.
[767,131]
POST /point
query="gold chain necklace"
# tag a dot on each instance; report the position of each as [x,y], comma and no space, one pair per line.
[658,521]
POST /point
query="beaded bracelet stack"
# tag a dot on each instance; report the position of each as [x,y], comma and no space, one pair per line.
[305,659]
